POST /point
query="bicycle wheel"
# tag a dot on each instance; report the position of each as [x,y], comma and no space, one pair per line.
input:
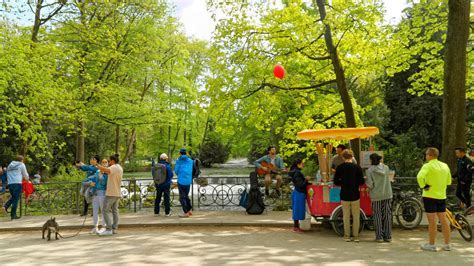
[409,213]
[468,211]
[466,230]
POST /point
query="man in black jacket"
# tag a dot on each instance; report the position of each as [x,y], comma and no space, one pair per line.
[349,176]
[464,177]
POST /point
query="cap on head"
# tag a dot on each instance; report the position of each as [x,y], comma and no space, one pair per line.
[183,151]
[163,156]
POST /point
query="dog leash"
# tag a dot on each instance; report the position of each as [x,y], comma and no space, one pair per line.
[80,229]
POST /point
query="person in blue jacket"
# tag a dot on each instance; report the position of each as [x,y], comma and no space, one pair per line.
[184,171]
[90,171]
[165,188]
[98,186]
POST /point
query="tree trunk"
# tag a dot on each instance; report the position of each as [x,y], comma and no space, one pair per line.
[340,78]
[130,145]
[454,97]
[80,142]
[117,139]
[37,21]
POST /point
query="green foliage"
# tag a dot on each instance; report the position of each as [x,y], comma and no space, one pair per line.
[213,150]
[68,173]
[404,156]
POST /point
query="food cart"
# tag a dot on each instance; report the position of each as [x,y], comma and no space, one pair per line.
[323,196]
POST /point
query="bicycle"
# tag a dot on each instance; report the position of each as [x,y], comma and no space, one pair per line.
[408,210]
[460,223]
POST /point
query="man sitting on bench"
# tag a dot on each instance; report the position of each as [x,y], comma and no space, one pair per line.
[270,166]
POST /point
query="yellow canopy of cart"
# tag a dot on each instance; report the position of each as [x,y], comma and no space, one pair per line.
[338,133]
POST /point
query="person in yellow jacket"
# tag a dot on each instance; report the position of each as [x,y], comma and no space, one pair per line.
[434,178]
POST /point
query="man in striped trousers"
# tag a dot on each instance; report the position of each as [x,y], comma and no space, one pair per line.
[381,195]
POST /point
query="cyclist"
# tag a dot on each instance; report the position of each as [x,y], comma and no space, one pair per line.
[433,178]
[464,177]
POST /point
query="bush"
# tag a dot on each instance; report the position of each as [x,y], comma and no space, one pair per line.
[213,151]
[404,157]
[68,173]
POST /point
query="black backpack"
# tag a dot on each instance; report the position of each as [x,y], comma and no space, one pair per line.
[158,171]
[196,168]
[255,202]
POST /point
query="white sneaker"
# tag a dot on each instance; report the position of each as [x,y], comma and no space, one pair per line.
[447,247]
[94,231]
[168,215]
[101,230]
[428,247]
[106,233]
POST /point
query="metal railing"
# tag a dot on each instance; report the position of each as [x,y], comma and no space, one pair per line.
[220,193]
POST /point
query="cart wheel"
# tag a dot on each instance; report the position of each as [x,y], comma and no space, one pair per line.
[338,224]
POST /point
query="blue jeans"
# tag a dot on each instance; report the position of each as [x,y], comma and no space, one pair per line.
[4,182]
[160,190]
[15,191]
[184,197]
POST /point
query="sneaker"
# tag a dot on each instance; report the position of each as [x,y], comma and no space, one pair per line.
[379,240]
[15,217]
[388,240]
[106,233]
[297,230]
[101,230]
[447,247]
[157,215]
[356,239]
[183,215]
[168,214]
[428,247]
[347,239]
[94,231]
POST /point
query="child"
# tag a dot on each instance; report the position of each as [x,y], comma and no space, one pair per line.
[98,183]
[298,196]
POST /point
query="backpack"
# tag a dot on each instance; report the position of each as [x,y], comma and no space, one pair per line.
[255,202]
[158,171]
[196,168]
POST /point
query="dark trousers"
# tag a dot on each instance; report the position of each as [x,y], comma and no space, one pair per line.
[382,215]
[463,192]
[162,190]
[4,183]
[184,197]
[86,207]
[15,191]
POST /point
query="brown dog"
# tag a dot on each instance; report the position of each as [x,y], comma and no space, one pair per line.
[52,226]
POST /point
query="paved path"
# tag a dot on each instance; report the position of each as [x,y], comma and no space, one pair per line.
[147,219]
[222,245]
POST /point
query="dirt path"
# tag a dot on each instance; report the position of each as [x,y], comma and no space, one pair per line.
[225,245]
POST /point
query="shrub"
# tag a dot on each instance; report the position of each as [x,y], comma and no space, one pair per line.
[213,150]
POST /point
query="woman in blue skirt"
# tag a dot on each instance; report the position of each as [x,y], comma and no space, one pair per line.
[298,197]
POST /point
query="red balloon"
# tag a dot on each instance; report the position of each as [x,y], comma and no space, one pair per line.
[279,71]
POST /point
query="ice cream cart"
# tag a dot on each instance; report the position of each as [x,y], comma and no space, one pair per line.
[323,197]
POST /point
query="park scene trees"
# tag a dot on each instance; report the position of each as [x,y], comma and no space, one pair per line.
[79,78]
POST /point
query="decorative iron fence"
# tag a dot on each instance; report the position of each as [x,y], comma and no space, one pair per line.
[220,193]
